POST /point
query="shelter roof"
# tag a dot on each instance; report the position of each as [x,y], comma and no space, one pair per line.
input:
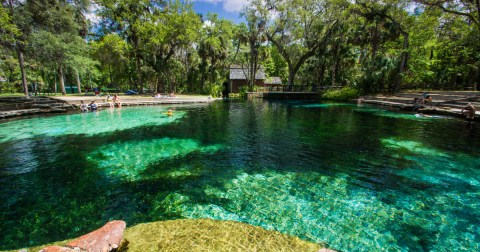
[240,73]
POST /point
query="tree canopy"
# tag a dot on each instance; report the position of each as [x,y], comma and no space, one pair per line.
[164,46]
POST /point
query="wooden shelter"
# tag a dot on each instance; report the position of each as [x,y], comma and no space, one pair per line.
[238,78]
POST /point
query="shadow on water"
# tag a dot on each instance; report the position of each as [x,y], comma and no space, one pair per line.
[315,171]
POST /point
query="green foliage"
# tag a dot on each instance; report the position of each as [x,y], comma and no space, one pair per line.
[374,46]
[111,51]
[215,90]
[343,94]
[8,30]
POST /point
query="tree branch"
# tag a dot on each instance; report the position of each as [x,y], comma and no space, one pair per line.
[439,4]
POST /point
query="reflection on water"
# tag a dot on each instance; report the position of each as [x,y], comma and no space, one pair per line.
[357,178]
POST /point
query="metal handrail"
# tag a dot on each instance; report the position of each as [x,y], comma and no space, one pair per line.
[300,88]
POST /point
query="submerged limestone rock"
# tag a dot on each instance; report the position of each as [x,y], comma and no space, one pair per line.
[104,239]
[57,249]
[186,235]
[211,235]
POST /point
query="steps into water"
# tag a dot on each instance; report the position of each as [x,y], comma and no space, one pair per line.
[24,106]
[443,102]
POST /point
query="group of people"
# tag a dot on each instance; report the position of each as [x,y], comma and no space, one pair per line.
[159,95]
[469,110]
[111,100]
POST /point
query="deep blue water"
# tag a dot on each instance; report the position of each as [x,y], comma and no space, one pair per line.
[355,178]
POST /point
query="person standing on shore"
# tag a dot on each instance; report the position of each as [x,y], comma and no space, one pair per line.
[469,112]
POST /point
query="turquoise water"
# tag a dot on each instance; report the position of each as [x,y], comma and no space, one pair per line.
[357,178]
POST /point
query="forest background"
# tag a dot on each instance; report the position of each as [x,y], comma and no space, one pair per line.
[163,46]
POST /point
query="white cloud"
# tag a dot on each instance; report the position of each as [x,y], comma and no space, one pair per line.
[234,5]
[207,23]
[227,5]
[92,13]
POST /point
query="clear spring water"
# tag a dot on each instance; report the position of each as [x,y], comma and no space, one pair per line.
[355,178]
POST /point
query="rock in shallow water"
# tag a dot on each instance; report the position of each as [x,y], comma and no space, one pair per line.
[57,249]
[103,239]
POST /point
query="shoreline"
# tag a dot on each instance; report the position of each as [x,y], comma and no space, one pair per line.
[70,104]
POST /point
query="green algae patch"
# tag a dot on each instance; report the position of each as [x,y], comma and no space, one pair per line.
[130,160]
[89,124]
[210,235]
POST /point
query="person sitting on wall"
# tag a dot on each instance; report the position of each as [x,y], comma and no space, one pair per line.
[83,106]
[110,101]
[116,100]
[469,112]
[93,106]
[427,99]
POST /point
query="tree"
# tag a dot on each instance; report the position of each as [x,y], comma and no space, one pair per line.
[253,34]
[56,41]
[8,30]
[468,9]
[390,19]
[214,50]
[128,18]
[168,31]
[469,13]
[111,50]
[297,28]
[20,18]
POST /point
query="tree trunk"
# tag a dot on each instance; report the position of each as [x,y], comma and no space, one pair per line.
[251,70]
[79,86]
[334,64]
[476,80]
[62,83]
[320,74]
[139,76]
[21,61]
[477,2]
[291,77]
[55,86]
[403,63]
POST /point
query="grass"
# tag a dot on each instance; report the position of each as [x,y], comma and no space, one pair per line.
[11,94]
